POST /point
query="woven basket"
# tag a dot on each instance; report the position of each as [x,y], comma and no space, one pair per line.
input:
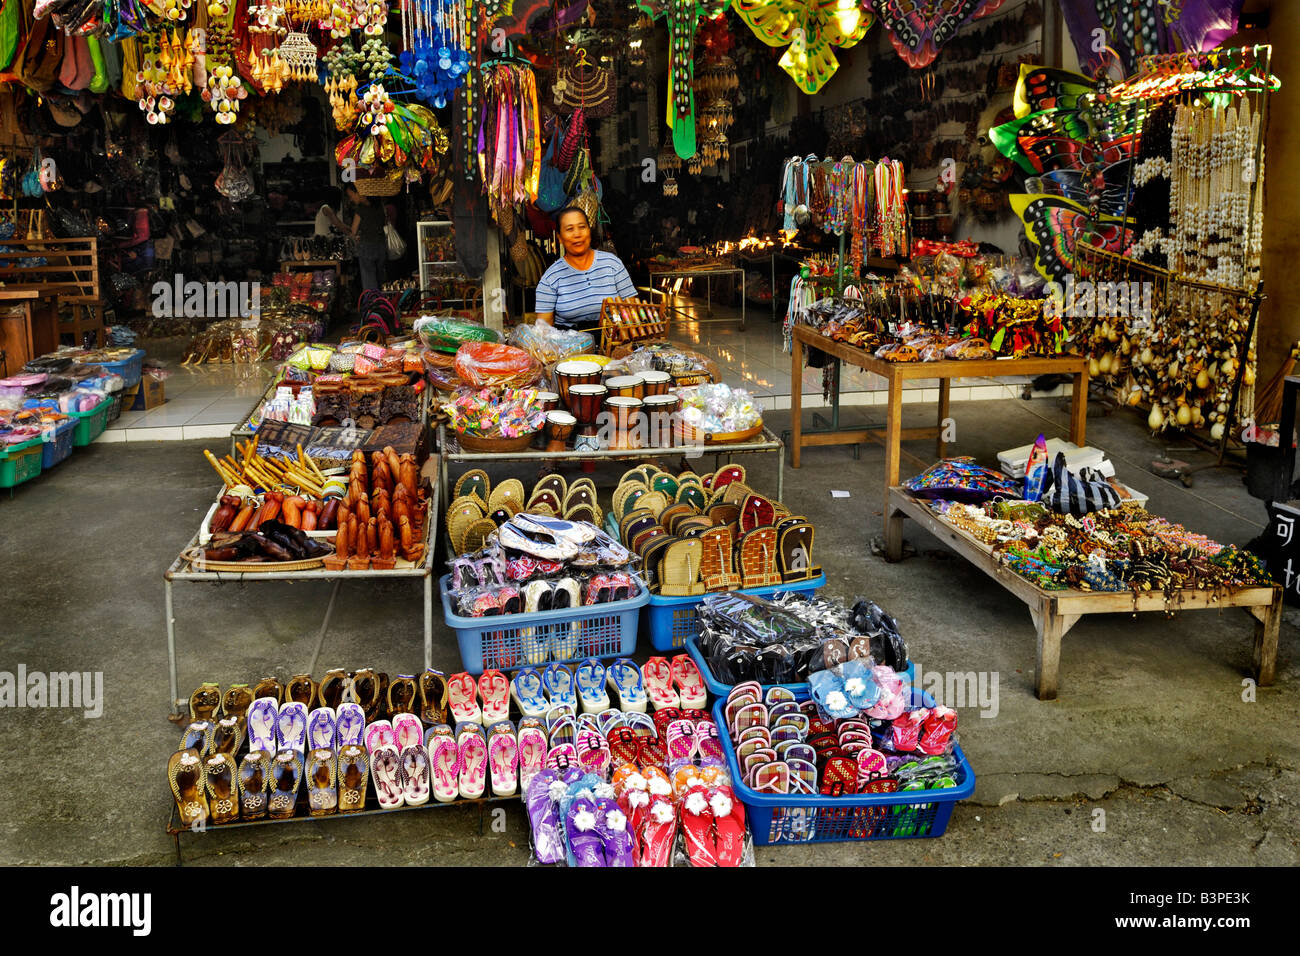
[385,184]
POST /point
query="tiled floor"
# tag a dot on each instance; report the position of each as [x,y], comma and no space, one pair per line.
[208,401]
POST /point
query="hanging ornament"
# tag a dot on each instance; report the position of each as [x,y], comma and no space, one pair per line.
[918,28]
[683,17]
[811,28]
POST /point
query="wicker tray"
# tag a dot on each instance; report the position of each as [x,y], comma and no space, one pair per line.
[692,436]
[478,443]
[254,567]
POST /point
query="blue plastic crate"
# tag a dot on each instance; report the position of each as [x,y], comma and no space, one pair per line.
[719,689]
[53,452]
[670,621]
[131,369]
[602,630]
[788,818]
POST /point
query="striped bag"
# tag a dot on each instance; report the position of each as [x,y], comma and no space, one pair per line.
[1077,495]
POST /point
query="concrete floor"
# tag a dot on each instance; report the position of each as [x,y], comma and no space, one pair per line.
[1150,727]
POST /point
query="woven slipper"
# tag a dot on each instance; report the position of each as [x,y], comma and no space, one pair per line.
[692,526]
[512,489]
[464,505]
[666,484]
[756,511]
[476,535]
[794,550]
[692,495]
[679,575]
[674,511]
[757,549]
[634,523]
[717,561]
[654,502]
[555,484]
[473,482]
[652,557]
[544,498]
[583,512]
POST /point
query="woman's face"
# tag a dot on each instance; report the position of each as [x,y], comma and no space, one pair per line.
[575,234]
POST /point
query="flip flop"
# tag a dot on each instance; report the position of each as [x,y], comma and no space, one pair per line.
[526,690]
[609,719]
[558,682]
[198,736]
[562,759]
[444,763]
[681,741]
[473,760]
[590,677]
[689,682]
[301,689]
[772,778]
[462,696]
[322,726]
[291,727]
[640,724]
[585,843]
[205,702]
[268,687]
[839,777]
[408,731]
[728,826]
[613,826]
[503,759]
[532,754]
[542,804]
[236,701]
[657,677]
[624,746]
[494,688]
[353,774]
[254,779]
[349,726]
[707,743]
[380,736]
[697,828]
[415,775]
[261,724]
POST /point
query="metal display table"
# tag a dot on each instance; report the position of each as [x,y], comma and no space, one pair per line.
[244,431]
[707,274]
[182,571]
[1055,612]
[767,442]
[896,373]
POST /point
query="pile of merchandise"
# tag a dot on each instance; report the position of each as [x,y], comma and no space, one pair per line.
[377,512]
[478,508]
[791,639]
[1061,531]
[877,744]
[713,533]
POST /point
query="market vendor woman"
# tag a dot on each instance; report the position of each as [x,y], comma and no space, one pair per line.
[570,292]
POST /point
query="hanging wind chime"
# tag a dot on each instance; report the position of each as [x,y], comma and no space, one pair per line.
[435,58]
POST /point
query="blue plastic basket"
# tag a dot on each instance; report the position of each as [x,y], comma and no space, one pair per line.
[131,369]
[718,689]
[670,621]
[603,630]
[787,818]
[53,452]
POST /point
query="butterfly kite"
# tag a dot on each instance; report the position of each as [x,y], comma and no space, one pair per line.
[918,28]
[811,28]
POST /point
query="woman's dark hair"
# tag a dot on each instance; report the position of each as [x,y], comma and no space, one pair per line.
[559,216]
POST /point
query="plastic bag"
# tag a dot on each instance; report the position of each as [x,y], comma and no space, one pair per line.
[445,334]
[719,409]
[495,365]
[548,344]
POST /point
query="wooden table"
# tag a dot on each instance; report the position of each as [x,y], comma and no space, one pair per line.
[1055,612]
[34,330]
[896,373]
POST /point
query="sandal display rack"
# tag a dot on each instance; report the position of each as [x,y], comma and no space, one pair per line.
[182,572]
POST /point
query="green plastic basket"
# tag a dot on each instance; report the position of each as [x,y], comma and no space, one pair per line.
[21,462]
[91,424]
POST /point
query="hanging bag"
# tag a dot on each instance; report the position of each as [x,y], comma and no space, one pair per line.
[550,187]
[396,244]
[37,65]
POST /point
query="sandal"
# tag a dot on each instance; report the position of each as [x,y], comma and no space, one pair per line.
[590,678]
[558,682]
[697,827]
[291,727]
[349,726]
[286,775]
[386,772]
[261,723]
[186,776]
[415,775]
[219,778]
[401,695]
[269,687]
[353,774]
[444,763]
[205,702]
[625,677]
[494,688]
[301,689]
[433,696]
[198,736]
[657,677]
[689,681]
[254,780]
[532,751]
[237,700]
[473,750]
[322,728]
[322,791]
[407,731]
[463,698]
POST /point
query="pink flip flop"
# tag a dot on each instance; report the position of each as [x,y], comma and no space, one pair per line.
[681,742]
[408,731]
[503,754]
[380,736]
[707,744]
[444,762]
[532,754]
[473,763]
